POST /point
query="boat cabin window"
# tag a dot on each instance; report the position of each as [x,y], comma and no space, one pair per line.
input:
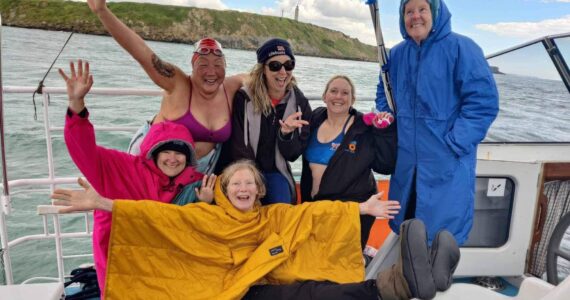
[493,204]
[534,101]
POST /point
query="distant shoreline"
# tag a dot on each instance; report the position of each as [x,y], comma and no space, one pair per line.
[179,41]
[495,70]
[164,23]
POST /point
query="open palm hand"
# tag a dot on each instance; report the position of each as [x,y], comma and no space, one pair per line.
[78,200]
[381,209]
[78,84]
[96,5]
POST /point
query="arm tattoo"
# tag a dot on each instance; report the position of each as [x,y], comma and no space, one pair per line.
[163,68]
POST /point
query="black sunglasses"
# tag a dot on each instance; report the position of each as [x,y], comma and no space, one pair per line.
[275,66]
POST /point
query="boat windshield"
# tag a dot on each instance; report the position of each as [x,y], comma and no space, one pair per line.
[534,92]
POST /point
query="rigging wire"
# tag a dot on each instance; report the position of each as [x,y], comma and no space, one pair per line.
[3,278]
[40,88]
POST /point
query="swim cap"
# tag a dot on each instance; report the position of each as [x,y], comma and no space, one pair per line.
[206,46]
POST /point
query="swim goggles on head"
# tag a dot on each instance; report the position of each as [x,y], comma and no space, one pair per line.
[208,50]
[275,66]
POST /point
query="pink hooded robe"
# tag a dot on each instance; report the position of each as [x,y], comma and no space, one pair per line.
[119,175]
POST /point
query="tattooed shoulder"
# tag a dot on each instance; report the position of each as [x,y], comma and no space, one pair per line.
[163,68]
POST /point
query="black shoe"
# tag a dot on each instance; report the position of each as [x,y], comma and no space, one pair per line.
[444,259]
[415,254]
[367,259]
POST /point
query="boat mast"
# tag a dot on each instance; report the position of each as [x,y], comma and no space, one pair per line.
[5,198]
[5,190]
[382,54]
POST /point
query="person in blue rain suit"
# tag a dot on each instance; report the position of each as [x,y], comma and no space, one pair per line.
[445,101]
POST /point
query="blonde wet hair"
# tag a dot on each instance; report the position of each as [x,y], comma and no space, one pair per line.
[347,79]
[257,86]
[243,164]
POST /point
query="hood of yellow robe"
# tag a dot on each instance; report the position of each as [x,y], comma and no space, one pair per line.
[203,251]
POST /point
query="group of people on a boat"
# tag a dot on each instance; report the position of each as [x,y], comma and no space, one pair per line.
[223,219]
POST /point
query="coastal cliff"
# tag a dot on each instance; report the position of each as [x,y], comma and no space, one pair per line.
[237,30]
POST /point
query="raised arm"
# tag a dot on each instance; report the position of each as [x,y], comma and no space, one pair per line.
[96,163]
[162,73]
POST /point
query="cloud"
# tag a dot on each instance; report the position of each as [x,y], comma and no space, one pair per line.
[352,17]
[528,30]
[343,9]
[550,1]
[213,4]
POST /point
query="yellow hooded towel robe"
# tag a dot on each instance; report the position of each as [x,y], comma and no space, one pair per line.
[203,251]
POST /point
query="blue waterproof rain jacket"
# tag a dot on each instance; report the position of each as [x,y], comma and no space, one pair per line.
[446,99]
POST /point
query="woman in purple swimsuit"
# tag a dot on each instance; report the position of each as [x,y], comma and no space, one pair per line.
[343,150]
[201,101]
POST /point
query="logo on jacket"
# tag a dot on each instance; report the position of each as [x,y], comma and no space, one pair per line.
[334,146]
[276,250]
[351,147]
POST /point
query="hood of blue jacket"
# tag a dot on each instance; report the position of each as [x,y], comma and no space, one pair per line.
[441,26]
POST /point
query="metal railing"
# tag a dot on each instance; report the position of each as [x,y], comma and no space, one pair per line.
[553,51]
[47,211]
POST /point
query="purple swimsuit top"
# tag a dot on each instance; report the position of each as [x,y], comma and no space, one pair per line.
[201,133]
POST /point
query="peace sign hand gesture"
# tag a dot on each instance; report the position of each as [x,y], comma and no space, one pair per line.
[292,122]
[78,85]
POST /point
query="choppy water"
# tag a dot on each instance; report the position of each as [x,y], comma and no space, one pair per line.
[27,54]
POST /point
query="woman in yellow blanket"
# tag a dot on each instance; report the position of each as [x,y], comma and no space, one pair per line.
[238,248]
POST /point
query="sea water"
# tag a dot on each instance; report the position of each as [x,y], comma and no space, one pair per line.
[26,57]
[28,53]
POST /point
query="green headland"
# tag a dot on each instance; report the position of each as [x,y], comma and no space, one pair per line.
[237,30]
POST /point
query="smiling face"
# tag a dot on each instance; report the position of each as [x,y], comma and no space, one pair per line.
[339,96]
[242,190]
[208,73]
[171,162]
[418,19]
[277,81]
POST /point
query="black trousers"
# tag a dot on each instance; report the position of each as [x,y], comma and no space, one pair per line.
[411,208]
[315,290]
[366,223]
